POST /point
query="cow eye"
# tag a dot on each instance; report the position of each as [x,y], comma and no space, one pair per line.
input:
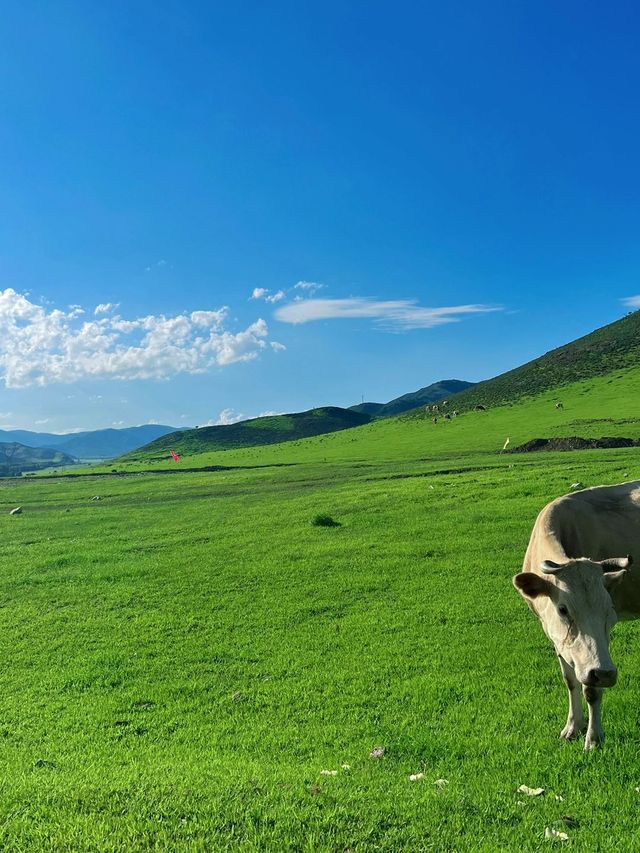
[562,610]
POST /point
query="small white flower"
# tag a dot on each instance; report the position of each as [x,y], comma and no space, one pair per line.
[346,766]
[415,777]
[559,798]
[441,783]
[555,835]
[530,792]
[328,772]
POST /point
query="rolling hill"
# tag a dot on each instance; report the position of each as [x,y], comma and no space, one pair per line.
[422,397]
[271,429]
[16,458]
[612,347]
[90,444]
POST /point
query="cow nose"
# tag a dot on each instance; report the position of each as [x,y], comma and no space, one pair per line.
[602,677]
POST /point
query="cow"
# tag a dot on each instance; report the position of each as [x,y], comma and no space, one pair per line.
[576,578]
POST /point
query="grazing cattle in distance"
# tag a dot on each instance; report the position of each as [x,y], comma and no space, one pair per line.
[454,413]
[445,403]
[480,408]
[447,417]
[577,581]
[559,406]
[435,408]
[435,420]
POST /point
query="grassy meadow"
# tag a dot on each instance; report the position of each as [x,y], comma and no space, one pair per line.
[185,656]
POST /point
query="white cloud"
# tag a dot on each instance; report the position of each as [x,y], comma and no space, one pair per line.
[5,415]
[401,314]
[42,421]
[226,416]
[631,302]
[117,423]
[309,287]
[278,347]
[263,293]
[105,308]
[42,346]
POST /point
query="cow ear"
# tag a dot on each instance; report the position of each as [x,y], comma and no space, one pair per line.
[612,579]
[530,585]
[614,564]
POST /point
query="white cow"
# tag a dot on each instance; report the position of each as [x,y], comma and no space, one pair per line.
[577,583]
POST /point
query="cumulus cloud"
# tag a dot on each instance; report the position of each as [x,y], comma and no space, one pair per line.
[278,347]
[104,307]
[398,315]
[228,416]
[263,293]
[41,346]
[632,302]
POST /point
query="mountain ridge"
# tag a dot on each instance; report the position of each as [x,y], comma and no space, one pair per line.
[271,429]
[422,397]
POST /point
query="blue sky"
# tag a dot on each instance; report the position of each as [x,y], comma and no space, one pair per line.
[166,160]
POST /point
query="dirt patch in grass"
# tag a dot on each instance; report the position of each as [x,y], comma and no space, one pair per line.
[574,443]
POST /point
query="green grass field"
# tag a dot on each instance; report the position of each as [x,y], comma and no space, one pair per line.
[185,656]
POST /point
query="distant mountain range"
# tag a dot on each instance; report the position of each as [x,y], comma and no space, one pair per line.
[422,397]
[16,458]
[91,444]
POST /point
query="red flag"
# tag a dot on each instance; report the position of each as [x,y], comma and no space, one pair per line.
[176,458]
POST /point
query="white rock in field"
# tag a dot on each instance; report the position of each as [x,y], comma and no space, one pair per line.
[96,498]
[16,511]
[637,790]
[555,835]
[416,777]
[328,772]
[441,783]
[575,486]
[377,752]
[530,792]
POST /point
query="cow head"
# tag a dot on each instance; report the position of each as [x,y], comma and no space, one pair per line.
[573,604]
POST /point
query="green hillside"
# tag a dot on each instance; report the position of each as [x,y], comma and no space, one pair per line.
[272,429]
[612,347]
[602,406]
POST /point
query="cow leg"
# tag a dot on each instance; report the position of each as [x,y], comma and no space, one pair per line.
[595,732]
[575,721]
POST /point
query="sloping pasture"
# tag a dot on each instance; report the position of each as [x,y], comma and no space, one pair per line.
[183,657]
